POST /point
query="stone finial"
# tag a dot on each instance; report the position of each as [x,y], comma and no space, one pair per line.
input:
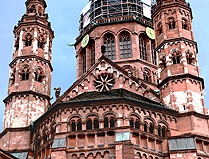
[57,92]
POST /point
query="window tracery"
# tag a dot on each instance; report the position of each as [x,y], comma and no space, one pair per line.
[190,57]
[125,45]
[104,82]
[176,58]
[39,74]
[147,75]
[28,40]
[143,48]
[24,73]
[109,122]
[109,44]
[185,24]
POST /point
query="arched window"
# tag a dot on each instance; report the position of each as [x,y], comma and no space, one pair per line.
[145,127]
[131,123]
[171,23]
[112,122]
[106,123]
[143,48]
[125,45]
[25,73]
[164,131]
[147,75]
[17,43]
[159,29]
[79,126]
[159,131]
[39,74]
[89,124]
[137,124]
[151,128]
[176,58]
[185,24]
[73,126]
[154,55]
[92,52]
[109,44]
[96,124]
[28,40]
[189,57]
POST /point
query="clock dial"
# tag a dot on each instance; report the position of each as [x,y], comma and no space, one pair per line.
[150,33]
[85,41]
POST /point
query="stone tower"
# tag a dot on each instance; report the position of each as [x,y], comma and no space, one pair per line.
[30,70]
[181,86]
[121,28]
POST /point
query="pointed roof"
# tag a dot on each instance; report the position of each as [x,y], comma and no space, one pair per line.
[115,68]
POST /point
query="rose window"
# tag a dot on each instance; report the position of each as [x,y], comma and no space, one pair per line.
[104,82]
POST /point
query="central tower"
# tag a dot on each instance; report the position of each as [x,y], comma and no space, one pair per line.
[121,27]
[30,70]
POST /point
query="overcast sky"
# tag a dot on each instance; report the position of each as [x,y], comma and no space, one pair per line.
[64,16]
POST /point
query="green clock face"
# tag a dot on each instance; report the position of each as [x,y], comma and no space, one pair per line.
[85,41]
[150,33]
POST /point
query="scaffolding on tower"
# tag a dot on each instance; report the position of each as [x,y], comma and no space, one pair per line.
[103,9]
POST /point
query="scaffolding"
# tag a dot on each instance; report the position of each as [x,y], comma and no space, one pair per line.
[103,9]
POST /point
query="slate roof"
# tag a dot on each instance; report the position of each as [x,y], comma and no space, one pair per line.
[116,94]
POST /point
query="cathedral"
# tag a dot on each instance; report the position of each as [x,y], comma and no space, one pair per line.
[138,92]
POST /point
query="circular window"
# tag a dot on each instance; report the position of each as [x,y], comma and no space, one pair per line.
[104,82]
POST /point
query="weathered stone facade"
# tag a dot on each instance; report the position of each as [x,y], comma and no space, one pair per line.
[135,97]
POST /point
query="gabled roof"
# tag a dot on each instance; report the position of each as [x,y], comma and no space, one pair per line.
[115,67]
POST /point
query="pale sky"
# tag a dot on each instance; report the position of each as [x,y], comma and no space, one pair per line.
[64,16]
